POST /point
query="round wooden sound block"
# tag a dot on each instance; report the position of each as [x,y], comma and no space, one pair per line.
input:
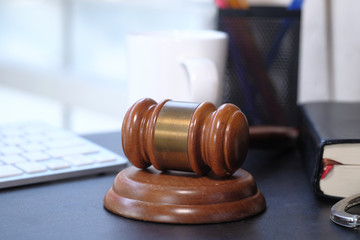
[184,198]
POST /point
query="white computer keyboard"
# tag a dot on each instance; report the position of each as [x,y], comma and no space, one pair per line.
[35,152]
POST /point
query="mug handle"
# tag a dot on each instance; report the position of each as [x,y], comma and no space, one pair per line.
[204,82]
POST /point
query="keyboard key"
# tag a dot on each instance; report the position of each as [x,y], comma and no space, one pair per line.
[9,132]
[30,147]
[9,171]
[64,143]
[10,150]
[102,158]
[36,156]
[56,164]
[31,167]
[79,160]
[11,159]
[13,140]
[35,138]
[59,135]
[60,152]
[33,129]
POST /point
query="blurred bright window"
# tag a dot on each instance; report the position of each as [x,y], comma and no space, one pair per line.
[87,36]
[43,42]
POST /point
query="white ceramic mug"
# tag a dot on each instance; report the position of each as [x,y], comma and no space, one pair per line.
[177,65]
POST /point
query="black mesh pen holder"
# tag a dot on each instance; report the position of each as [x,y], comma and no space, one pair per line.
[262,67]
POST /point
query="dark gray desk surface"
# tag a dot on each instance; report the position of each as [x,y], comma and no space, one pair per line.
[72,209]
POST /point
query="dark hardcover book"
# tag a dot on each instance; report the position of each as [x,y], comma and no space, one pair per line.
[330,146]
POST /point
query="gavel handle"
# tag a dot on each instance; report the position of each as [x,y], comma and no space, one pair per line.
[272,136]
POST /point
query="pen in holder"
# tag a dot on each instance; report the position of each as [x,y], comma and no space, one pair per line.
[262,63]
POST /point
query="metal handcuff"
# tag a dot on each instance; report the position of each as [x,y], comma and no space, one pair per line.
[340,212]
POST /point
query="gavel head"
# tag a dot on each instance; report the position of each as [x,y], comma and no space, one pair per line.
[185,136]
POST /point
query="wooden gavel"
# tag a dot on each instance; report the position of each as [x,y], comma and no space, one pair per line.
[185,136]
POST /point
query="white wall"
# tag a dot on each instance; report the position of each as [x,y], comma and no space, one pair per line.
[313,71]
[330,51]
[346,45]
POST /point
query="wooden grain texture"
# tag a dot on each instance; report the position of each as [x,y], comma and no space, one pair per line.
[185,198]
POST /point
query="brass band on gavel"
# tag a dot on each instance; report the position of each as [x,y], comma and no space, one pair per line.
[171,135]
